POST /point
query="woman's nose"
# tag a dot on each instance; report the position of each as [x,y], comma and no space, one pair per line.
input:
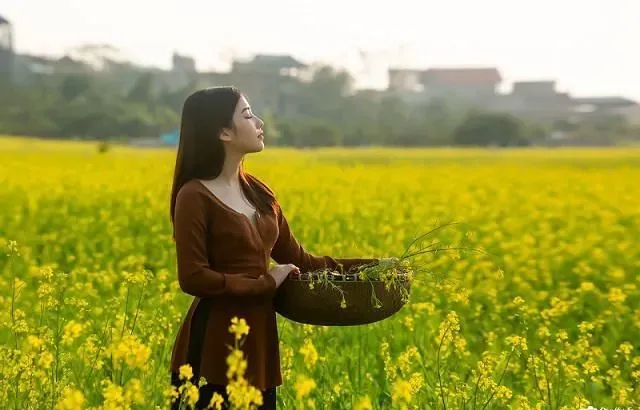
[259,122]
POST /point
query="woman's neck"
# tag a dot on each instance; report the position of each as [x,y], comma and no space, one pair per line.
[230,174]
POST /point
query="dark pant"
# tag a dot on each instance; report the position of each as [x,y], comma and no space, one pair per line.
[206,393]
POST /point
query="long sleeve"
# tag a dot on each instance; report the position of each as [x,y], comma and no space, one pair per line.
[288,249]
[194,273]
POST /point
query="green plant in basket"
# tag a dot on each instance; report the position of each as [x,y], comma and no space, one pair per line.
[396,273]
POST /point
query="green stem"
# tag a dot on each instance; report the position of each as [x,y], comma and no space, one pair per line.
[444,249]
[135,317]
[54,375]
[359,357]
[426,234]
[475,390]
[444,404]
[15,334]
[126,309]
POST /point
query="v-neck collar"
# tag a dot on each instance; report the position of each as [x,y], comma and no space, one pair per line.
[253,219]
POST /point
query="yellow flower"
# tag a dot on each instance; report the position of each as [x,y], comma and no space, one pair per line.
[236,364]
[389,369]
[571,371]
[239,327]
[625,348]
[216,402]
[587,287]
[503,392]
[407,358]
[337,388]
[303,386]
[586,327]
[129,349]
[517,301]
[71,332]
[517,342]
[309,353]
[12,248]
[401,391]
[448,329]
[616,296]
[113,395]
[71,400]
[192,394]
[34,342]
[543,332]
[590,367]
[186,373]
[408,322]
[416,381]
[242,395]
[45,360]
[363,404]
[134,392]
[562,336]
[623,395]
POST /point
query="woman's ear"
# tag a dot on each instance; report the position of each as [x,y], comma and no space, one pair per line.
[226,134]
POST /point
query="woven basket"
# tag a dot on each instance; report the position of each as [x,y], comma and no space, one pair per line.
[322,304]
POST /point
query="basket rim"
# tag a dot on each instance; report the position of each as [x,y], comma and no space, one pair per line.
[347,281]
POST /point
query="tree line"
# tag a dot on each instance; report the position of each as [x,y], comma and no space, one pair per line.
[86,106]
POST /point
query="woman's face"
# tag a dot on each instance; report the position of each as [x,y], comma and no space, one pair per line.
[247,136]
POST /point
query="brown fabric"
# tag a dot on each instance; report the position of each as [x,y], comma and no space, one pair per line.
[223,260]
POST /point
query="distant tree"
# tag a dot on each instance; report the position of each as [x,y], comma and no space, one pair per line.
[74,85]
[324,97]
[392,119]
[491,129]
[271,128]
[142,90]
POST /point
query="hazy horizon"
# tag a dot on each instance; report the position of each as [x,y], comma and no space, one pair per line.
[586,46]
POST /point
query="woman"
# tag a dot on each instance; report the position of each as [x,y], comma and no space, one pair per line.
[227,225]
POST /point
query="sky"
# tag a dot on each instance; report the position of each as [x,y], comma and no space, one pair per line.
[590,47]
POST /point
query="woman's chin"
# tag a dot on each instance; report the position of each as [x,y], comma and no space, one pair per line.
[259,147]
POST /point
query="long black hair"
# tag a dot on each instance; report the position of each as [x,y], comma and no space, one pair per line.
[205,114]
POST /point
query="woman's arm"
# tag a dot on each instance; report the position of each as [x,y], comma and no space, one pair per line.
[287,249]
[194,274]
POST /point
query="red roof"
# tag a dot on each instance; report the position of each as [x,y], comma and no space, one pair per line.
[461,76]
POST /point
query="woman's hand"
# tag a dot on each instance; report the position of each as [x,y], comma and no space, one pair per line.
[281,272]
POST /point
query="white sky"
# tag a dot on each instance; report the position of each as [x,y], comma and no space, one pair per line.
[588,46]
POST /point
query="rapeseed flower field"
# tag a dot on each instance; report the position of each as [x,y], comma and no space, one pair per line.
[547,318]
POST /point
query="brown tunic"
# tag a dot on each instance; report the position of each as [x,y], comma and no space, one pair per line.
[223,260]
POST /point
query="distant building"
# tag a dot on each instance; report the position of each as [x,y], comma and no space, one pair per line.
[183,63]
[537,100]
[466,86]
[29,67]
[541,89]
[599,107]
[271,81]
[462,84]
[630,113]
[602,104]
[6,49]
[281,65]
[401,79]
[183,72]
